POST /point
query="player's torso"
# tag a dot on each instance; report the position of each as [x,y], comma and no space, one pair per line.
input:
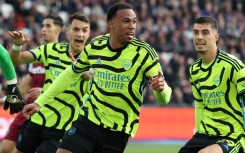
[119,80]
[222,110]
[118,75]
[55,61]
[63,109]
[214,85]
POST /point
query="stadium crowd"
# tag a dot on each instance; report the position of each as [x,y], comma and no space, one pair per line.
[164,24]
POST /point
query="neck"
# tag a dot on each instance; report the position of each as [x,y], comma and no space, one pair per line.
[73,51]
[114,43]
[209,56]
[50,41]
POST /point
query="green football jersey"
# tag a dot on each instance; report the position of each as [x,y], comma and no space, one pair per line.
[60,111]
[118,83]
[216,89]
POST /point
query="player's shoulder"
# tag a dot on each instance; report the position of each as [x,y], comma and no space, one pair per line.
[230,60]
[228,56]
[196,65]
[53,44]
[140,43]
[100,38]
[144,47]
[197,62]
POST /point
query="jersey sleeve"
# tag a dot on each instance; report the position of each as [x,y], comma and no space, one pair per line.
[152,66]
[6,64]
[240,80]
[37,53]
[82,63]
[60,84]
[164,96]
[243,143]
[199,107]
[41,53]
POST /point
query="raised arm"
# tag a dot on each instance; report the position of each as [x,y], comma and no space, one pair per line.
[16,55]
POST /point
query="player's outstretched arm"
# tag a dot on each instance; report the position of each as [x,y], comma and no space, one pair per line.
[161,90]
[87,75]
[60,84]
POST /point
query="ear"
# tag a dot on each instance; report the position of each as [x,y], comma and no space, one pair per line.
[67,32]
[59,30]
[217,36]
[110,24]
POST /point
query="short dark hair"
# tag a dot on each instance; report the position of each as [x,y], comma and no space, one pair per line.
[78,16]
[208,20]
[57,19]
[115,7]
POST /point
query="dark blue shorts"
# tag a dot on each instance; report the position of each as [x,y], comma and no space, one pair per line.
[86,137]
[36,138]
[200,141]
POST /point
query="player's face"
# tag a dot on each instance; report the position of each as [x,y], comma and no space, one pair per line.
[78,33]
[204,37]
[50,31]
[124,26]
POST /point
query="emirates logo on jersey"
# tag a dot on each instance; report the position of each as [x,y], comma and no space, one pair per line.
[216,80]
[127,64]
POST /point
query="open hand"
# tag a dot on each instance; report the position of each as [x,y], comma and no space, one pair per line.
[18,37]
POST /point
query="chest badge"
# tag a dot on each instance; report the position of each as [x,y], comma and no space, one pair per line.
[216,80]
[127,64]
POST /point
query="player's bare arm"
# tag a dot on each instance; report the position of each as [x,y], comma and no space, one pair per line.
[18,40]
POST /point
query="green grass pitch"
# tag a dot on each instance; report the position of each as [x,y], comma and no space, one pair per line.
[152,148]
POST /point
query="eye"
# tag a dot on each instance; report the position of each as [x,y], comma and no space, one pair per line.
[85,30]
[75,29]
[205,32]
[195,32]
[126,21]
